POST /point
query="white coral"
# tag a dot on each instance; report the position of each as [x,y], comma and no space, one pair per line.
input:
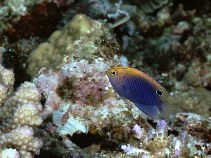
[19,112]
[9,153]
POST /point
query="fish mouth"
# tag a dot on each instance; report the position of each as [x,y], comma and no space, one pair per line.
[107,72]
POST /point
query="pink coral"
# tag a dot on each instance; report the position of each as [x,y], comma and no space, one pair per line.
[138,130]
[89,92]
[161,126]
[78,81]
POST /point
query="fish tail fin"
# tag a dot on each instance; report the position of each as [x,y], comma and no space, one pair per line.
[151,111]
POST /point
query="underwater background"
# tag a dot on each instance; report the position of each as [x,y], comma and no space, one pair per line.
[55,96]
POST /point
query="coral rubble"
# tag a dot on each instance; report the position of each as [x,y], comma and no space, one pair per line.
[194,100]
[158,143]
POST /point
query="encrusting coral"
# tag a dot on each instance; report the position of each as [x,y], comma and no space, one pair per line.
[197,125]
[19,114]
[82,99]
[82,36]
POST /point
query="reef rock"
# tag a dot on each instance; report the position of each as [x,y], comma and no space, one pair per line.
[74,86]
[82,37]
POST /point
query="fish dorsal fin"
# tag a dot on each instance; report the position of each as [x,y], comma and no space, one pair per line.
[151,111]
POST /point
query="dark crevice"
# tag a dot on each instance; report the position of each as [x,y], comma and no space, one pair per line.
[86,140]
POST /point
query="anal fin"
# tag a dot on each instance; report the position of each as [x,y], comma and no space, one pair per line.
[151,111]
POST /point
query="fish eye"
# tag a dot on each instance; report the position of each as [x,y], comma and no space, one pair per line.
[113,72]
[159,92]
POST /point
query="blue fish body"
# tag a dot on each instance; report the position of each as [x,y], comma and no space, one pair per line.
[140,89]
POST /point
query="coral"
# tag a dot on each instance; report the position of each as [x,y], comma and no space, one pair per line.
[40,21]
[107,10]
[10,153]
[22,138]
[25,102]
[118,12]
[158,143]
[199,74]
[149,6]
[194,100]
[83,116]
[196,125]
[83,100]
[79,101]
[12,9]
[75,89]
[78,38]
[7,80]
[19,113]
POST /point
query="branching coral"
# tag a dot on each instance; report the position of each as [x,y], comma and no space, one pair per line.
[19,113]
[7,80]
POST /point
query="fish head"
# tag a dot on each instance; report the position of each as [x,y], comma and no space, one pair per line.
[160,92]
[116,75]
[162,102]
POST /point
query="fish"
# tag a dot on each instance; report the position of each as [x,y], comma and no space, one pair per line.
[142,90]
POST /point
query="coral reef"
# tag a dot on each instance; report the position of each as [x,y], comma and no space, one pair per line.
[82,37]
[199,75]
[194,100]
[70,109]
[80,100]
[40,20]
[149,6]
[80,95]
[196,125]
[76,92]
[11,9]
[19,114]
[158,143]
